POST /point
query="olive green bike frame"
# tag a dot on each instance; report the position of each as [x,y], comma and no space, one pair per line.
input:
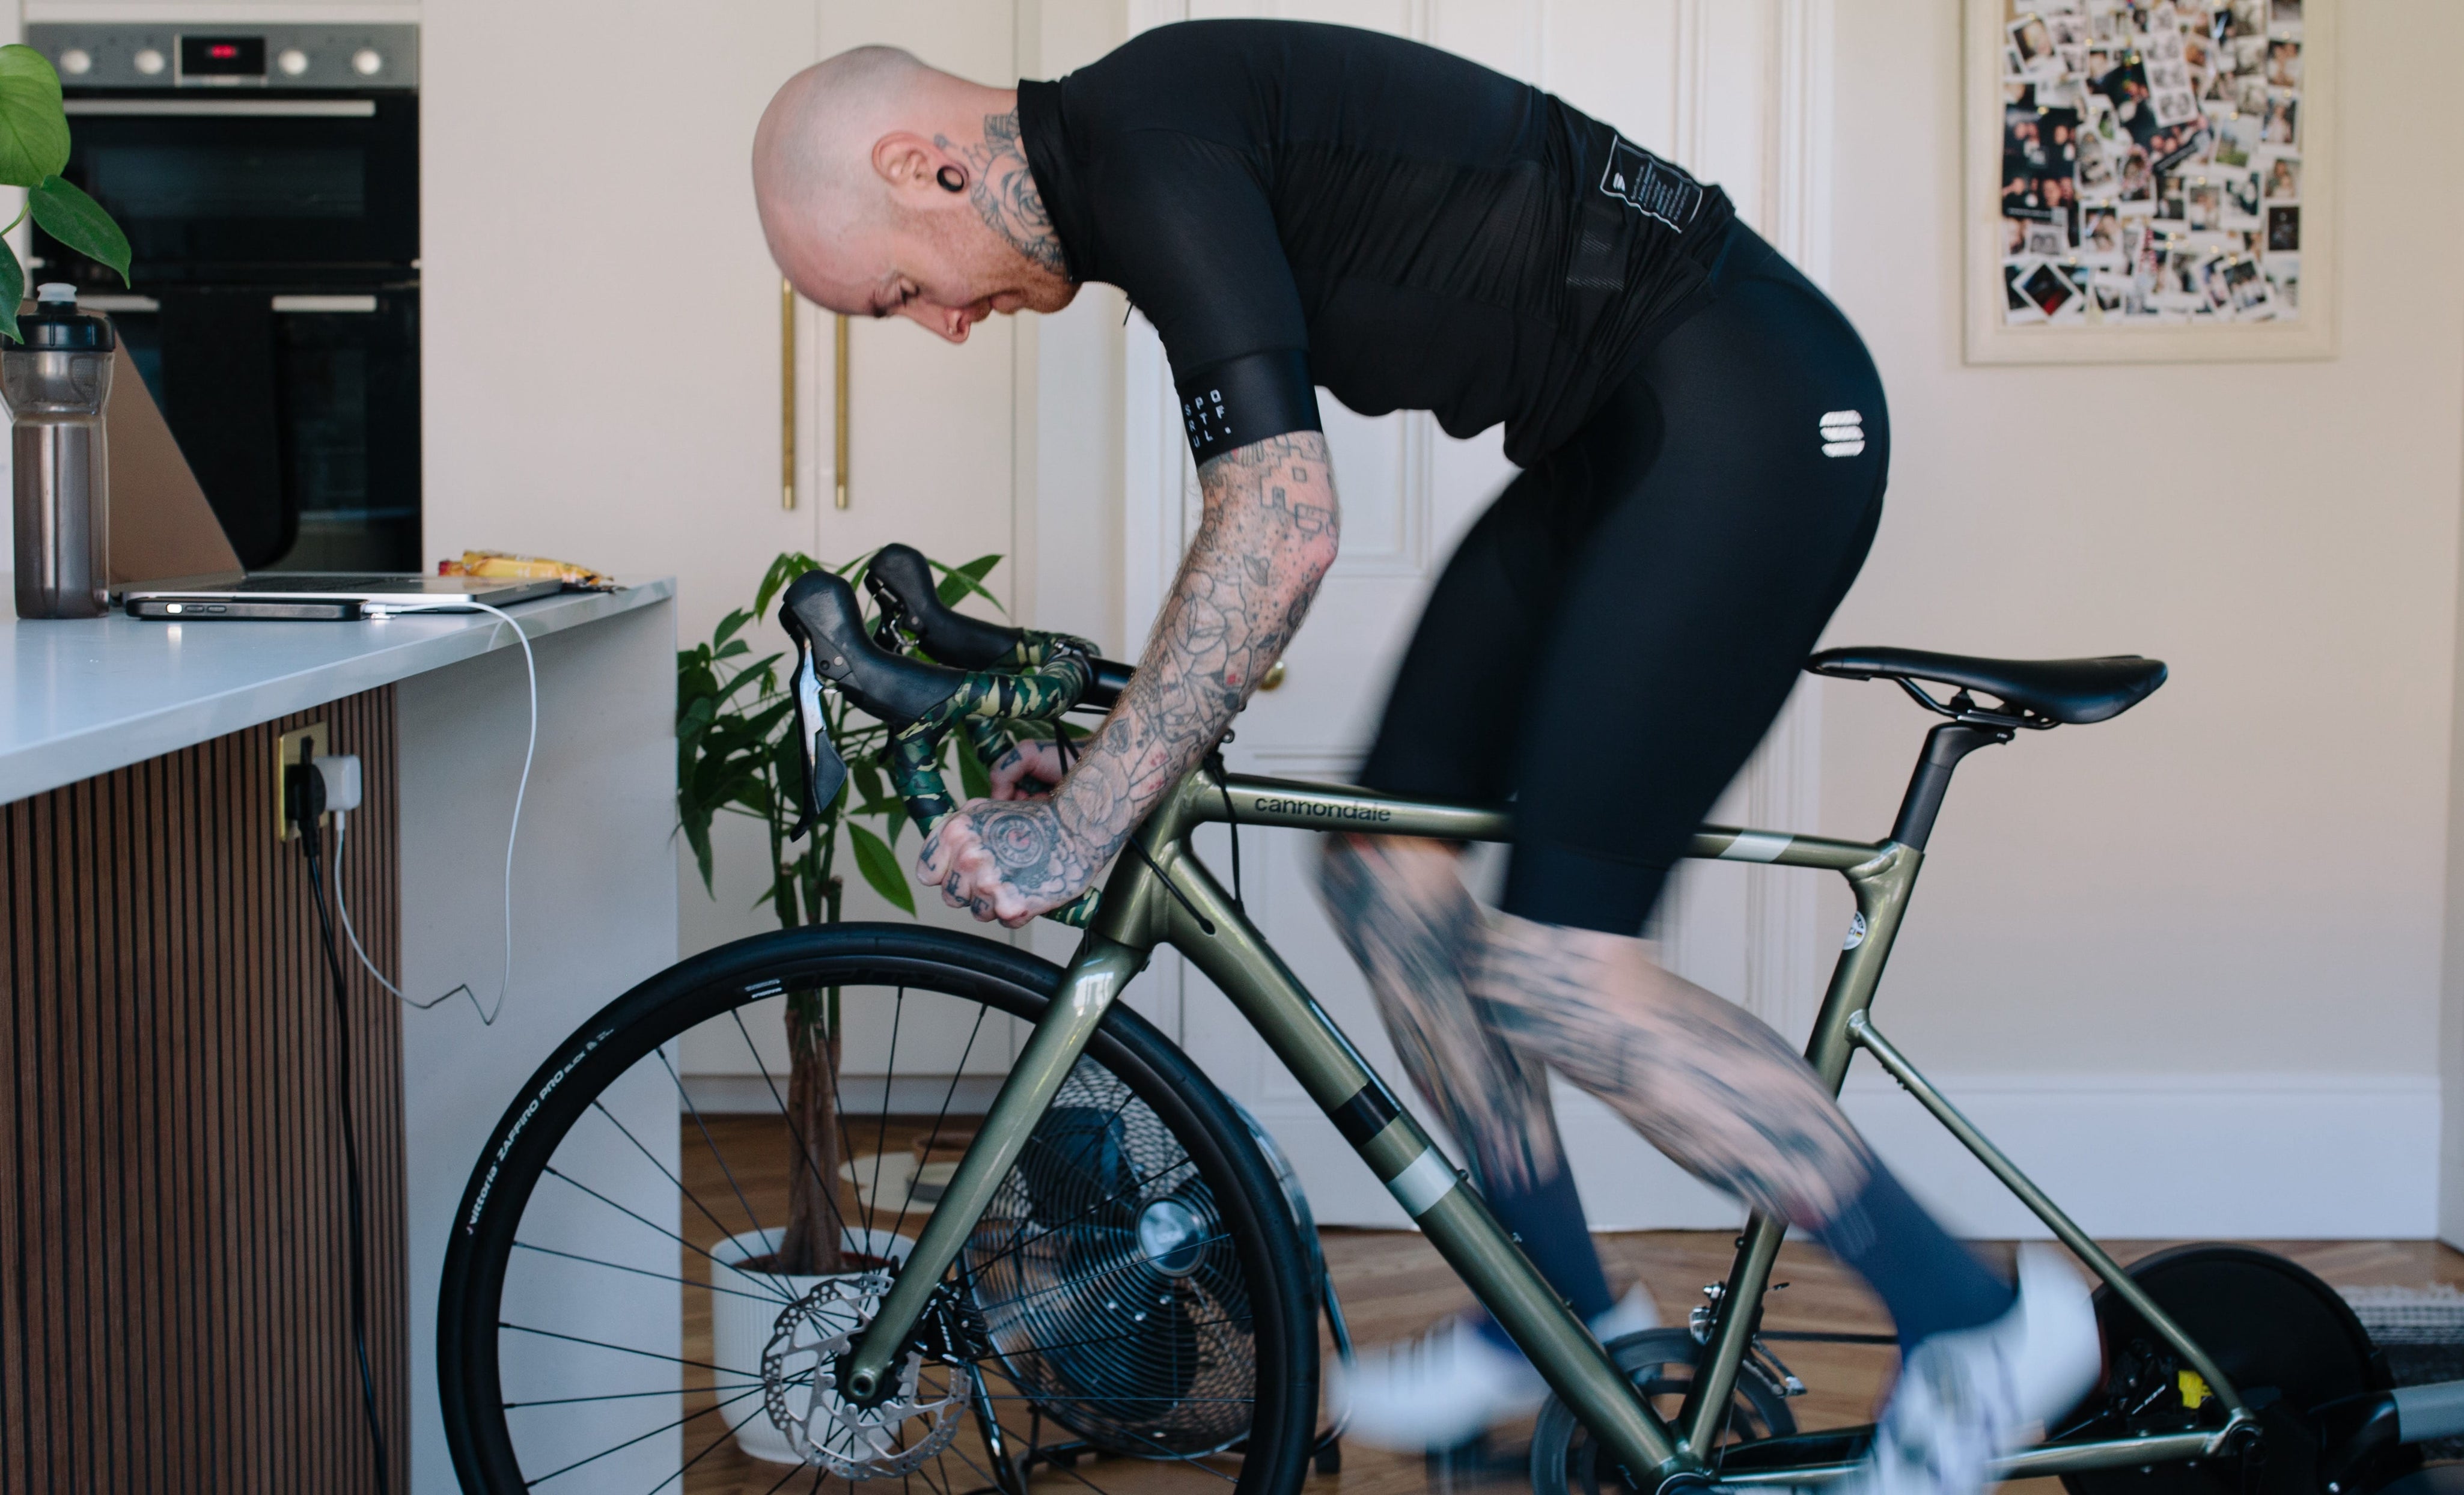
[1167,896]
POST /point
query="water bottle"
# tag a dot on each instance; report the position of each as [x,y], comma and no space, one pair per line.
[54,383]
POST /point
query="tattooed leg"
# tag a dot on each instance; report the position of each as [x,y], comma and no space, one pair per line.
[1405,917]
[1704,1081]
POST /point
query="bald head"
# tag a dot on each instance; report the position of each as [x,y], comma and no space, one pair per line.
[880,185]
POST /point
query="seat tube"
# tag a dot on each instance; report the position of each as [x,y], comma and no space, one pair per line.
[1882,886]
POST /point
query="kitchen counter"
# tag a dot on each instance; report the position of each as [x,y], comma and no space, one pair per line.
[81,697]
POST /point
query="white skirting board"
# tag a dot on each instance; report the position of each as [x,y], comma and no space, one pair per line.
[2128,1156]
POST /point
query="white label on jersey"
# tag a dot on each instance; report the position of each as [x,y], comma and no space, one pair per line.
[1651,186]
[1844,434]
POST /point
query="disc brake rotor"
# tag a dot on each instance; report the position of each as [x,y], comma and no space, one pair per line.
[801,1393]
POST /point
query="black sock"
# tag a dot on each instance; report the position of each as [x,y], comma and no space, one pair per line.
[1548,1218]
[1931,1284]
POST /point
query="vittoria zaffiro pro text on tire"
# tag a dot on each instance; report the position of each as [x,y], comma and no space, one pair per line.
[1133,1312]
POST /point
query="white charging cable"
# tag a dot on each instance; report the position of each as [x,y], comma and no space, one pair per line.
[530,748]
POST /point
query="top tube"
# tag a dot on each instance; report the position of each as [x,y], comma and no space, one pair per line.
[1292,804]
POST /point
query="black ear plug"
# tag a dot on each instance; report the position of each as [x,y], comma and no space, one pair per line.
[952,179]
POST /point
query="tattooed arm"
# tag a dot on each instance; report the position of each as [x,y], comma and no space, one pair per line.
[1264,543]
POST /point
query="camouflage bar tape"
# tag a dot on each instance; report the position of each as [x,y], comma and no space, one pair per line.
[1046,675]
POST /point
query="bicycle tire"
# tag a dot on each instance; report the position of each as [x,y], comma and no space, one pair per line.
[1229,1176]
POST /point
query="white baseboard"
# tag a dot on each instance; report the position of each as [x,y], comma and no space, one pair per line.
[2128,1156]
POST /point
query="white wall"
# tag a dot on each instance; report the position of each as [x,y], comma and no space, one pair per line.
[2243,879]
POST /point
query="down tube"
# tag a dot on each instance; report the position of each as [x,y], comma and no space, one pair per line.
[1237,958]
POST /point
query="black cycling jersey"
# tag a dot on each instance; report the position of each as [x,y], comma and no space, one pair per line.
[1295,203]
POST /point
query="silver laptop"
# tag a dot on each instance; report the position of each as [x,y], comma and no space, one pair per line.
[336,596]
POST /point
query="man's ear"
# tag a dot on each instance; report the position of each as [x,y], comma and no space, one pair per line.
[910,162]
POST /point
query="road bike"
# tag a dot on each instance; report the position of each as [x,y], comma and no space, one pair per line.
[1106,1279]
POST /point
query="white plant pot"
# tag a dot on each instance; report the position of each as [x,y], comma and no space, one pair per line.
[743,1317]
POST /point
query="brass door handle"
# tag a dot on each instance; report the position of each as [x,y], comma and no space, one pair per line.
[786,394]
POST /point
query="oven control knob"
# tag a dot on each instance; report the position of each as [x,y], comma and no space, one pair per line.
[76,60]
[291,61]
[150,61]
[368,62]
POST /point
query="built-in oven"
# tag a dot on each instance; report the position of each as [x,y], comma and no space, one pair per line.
[268,179]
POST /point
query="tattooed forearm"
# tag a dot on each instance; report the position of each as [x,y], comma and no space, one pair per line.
[1268,535]
[1002,187]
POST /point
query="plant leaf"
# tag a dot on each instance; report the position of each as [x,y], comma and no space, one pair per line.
[12,290]
[956,582]
[729,624]
[77,221]
[879,865]
[976,783]
[33,128]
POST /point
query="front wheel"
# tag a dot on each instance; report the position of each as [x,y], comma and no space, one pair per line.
[1133,1310]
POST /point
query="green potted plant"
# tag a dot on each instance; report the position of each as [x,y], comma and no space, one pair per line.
[737,754]
[34,147]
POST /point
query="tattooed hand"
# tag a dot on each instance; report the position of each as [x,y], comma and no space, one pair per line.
[1006,860]
[1029,771]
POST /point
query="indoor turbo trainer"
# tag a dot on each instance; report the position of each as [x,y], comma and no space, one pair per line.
[1116,1286]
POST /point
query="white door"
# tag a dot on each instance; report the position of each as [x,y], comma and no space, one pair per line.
[931,461]
[1692,77]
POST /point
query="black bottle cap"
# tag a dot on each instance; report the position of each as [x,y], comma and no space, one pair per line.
[59,326]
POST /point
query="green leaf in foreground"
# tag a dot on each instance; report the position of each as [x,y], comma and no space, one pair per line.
[33,130]
[12,290]
[77,221]
[880,866]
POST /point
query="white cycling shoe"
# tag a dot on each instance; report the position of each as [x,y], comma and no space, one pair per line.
[1446,1387]
[1966,1400]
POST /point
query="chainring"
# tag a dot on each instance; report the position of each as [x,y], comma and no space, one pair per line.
[1659,1362]
[800,1373]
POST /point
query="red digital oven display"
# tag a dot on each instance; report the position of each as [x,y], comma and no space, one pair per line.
[222,57]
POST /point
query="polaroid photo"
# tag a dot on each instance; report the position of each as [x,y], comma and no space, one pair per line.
[2164,43]
[2285,230]
[2172,204]
[2237,139]
[2074,284]
[2019,307]
[2126,90]
[2285,19]
[2101,236]
[2096,173]
[2104,29]
[2283,63]
[2033,38]
[2246,286]
[2215,90]
[2048,240]
[2249,56]
[2139,242]
[2010,75]
[2284,274]
[2249,94]
[2241,200]
[2065,94]
[2246,19]
[2280,179]
[2014,237]
[2137,192]
[2105,295]
[2282,124]
[2204,204]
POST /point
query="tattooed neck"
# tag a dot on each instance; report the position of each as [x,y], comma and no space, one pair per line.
[1002,189]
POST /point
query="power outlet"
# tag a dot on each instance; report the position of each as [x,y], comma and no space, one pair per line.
[288,755]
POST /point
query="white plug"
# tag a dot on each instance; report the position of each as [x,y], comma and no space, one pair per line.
[340,772]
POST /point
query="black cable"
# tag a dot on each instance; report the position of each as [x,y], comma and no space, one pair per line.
[309,838]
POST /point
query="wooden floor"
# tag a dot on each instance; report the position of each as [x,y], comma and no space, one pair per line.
[1393,1285]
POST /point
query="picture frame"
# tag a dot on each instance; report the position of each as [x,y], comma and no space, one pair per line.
[2129,198]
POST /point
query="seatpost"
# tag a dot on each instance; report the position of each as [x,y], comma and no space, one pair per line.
[1944,746]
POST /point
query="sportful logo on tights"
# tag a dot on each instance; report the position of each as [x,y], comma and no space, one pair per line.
[1844,434]
[1651,186]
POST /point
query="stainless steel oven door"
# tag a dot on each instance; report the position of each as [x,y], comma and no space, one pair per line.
[298,411]
[221,188]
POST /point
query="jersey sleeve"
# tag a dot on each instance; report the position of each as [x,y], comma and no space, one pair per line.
[1194,238]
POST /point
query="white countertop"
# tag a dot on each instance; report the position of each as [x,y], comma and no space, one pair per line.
[82,697]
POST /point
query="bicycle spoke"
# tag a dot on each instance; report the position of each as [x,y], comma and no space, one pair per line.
[620,1395]
[829,1189]
[688,1417]
[646,1354]
[711,1142]
[689,1197]
[643,1272]
[553,1172]
[881,1137]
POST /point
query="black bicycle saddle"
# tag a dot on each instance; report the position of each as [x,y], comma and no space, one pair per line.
[819,612]
[2071,690]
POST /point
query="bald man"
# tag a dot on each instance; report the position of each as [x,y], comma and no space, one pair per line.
[1702,443]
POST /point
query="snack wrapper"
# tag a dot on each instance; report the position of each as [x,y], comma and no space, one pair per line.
[501,564]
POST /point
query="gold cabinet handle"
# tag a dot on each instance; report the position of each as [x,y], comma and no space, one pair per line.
[786,394]
[839,388]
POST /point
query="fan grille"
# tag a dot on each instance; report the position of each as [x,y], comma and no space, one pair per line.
[1139,1343]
